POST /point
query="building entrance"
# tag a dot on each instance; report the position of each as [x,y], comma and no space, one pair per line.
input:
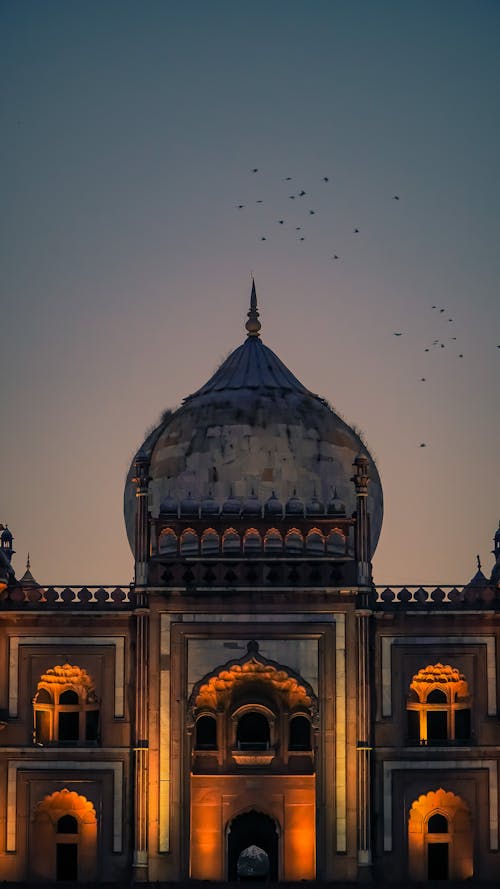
[66,861]
[437,861]
[252,851]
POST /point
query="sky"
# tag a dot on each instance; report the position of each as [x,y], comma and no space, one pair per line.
[129,135]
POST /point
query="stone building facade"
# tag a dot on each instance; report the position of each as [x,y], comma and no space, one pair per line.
[253,706]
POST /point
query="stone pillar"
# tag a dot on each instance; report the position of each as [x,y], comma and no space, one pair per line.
[363,614]
[141,739]
[364,747]
[141,728]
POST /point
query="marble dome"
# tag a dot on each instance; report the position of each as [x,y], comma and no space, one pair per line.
[253,434]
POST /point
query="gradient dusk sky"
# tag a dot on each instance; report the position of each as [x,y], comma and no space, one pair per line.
[129,134]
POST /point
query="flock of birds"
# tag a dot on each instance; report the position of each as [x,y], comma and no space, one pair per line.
[311,212]
[299,229]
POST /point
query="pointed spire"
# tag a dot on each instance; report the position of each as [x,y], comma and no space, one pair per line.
[28,564]
[253,324]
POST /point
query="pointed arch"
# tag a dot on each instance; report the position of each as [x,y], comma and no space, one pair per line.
[435,809]
[294,541]
[64,838]
[210,542]
[167,542]
[216,686]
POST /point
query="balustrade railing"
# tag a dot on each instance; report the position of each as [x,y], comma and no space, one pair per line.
[73,596]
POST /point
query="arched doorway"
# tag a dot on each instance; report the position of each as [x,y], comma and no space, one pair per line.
[252,847]
[64,838]
[440,838]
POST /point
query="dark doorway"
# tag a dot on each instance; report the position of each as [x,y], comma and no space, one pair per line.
[252,732]
[252,836]
[437,725]
[67,861]
[69,726]
[437,861]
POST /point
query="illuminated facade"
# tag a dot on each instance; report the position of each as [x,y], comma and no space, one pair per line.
[253,706]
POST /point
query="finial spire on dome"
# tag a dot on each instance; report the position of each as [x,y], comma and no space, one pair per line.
[253,324]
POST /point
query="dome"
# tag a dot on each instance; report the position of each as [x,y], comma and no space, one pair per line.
[254,431]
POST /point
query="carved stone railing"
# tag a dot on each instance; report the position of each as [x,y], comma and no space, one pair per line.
[444,595]
[49,597]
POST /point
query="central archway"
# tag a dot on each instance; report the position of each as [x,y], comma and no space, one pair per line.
[252,847]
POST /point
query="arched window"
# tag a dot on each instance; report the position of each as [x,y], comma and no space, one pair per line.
[300,733]
[252,731]
[315,542]
[167,543]
[294,542]
[210,542]
[336,543]
[231,541]
[206,733]
[67,824]
[65,707]
[438,706]
[252,541]
[273,541]
[437,824]
[189,543]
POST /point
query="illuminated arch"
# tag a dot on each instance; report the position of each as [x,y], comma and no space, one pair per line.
[210,542]
[65,706]
[252,541]
[315,541]
[336,542]
[294,541]
[231,542]
[273,541]
[189,542]
[69,809]
[216,688]
[66,802]
[167,543]
[438,705]
[457,838]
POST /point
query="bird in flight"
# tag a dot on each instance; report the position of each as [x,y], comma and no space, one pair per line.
[298,229]
[292,197]
[356,231]
[461,356]
[335,256]
[288,179]
[326,179]
[422,379]
[302,239]
[423,445]
[396,197]
[240,206]
[263,238]
[441,310]
[311,212]
[258,202]
[255,170]
[397,334]
[302,193]
[281,221]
